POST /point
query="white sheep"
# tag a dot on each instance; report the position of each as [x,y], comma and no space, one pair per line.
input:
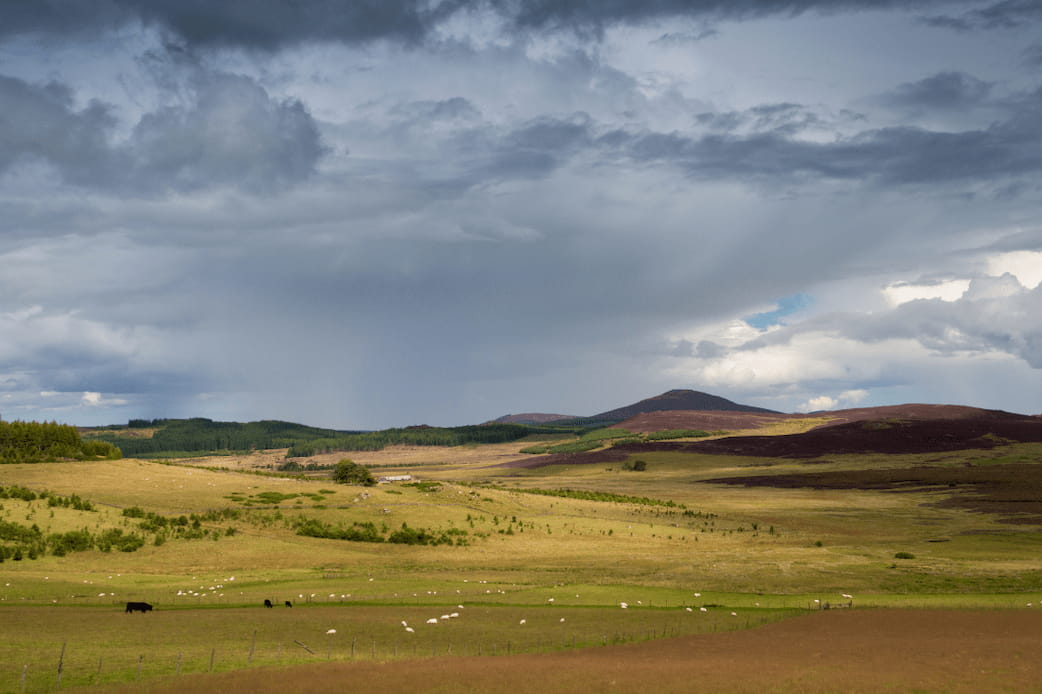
[623,605]
[410,630]
[432,620]
[331,631]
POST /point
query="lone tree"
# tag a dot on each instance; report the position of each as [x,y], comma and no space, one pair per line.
[350,472]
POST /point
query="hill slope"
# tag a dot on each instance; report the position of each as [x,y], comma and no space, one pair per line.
[679,400]
[532,418]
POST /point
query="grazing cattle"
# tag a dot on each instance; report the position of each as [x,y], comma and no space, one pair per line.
[289,604]
[267,603]
[138,607]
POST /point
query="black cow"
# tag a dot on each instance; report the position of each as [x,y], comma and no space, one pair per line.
[138,607]
[289,604]
[267,603]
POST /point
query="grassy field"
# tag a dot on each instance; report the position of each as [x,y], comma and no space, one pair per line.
[760,552]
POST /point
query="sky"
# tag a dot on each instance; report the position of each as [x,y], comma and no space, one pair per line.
[384,213]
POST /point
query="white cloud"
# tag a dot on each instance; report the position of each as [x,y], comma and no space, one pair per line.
[902,292]
[822,402]
[1026,266]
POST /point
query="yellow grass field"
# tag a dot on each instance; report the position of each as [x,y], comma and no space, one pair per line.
[661,541]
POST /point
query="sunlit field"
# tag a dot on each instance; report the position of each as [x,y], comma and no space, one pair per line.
[650,554]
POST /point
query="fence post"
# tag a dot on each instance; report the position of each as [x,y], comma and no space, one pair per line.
[61,665]
[178,670]
[25,670]
[139,659]
[99,668]
[213,652]
[252,644]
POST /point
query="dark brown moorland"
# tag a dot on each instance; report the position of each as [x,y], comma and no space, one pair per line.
[857,651]
[982,430]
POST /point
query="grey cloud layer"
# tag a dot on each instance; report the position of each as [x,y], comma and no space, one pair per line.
[230,132]
[773,151]
[1004,14]
[416,227]
[272,24]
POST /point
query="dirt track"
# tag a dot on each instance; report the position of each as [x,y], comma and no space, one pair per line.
[834,651]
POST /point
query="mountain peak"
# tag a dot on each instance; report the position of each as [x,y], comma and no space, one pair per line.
[680,399]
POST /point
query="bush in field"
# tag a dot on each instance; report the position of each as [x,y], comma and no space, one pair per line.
[350,472]
[114,538]
[72,541]
[904,555]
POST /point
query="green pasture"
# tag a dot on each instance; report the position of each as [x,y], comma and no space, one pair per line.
[103,645]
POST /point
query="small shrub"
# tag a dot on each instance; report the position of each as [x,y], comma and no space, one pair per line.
[904,555]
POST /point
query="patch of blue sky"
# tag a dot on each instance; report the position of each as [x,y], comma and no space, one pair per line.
[786,307]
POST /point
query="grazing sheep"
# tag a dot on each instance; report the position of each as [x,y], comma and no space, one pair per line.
[522,621]
[410,630]
[331,631]
[432,620]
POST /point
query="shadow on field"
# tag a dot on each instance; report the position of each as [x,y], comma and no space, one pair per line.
[840,650]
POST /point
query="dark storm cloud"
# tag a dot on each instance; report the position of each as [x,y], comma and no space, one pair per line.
[893,155]
[945,91]
[586,16]
[232,132]
[1033,55]
[1006,14]
[781,119]
[40,122]
[534,149]
[274,24]
[763,144]
[260,24]
[228,132]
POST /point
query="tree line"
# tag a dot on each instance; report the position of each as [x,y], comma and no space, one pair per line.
[199,435]
[414,436]
[41,442]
